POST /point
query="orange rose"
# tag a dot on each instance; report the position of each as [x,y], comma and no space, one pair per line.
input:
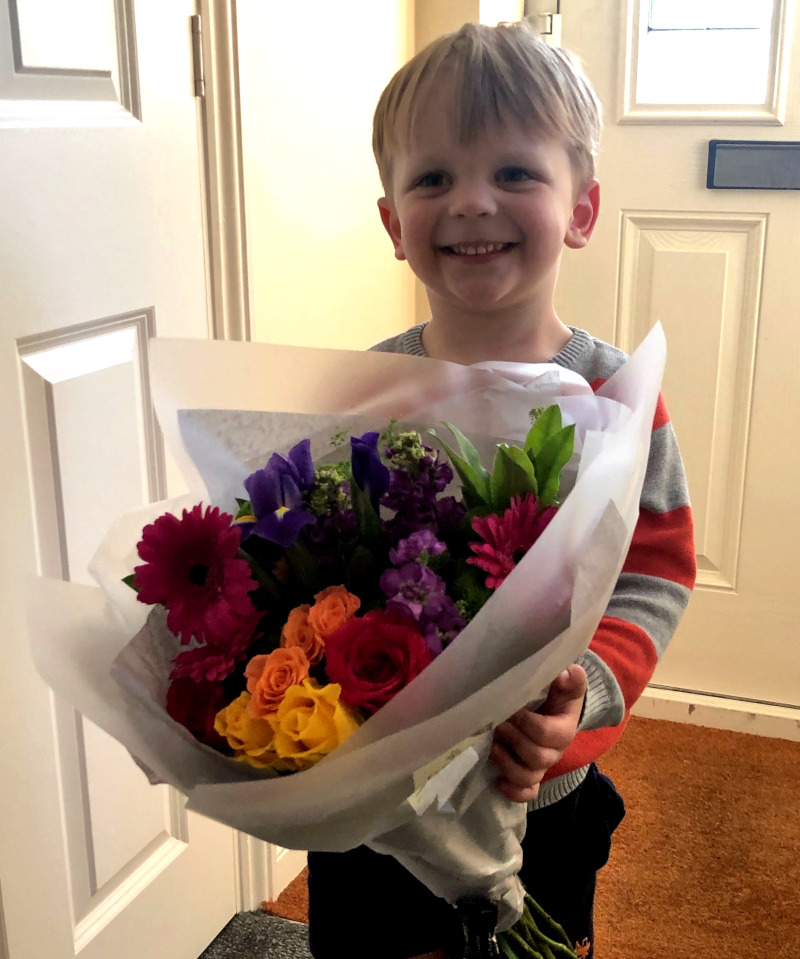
[269,676]
[298,632]
[333,607]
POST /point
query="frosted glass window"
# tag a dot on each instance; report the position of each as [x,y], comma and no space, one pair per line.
[704,51]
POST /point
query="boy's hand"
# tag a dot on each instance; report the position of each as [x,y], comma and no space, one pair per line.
[528,743]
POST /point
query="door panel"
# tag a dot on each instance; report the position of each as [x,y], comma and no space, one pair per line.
[102,248]
[718,269]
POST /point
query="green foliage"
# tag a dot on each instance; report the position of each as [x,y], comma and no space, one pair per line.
[513,475]
[245,508]
[475,478]
[534,468]
[551,459]
[470,593]
[405,446]
[369,526]
[545,425]
[130,581]
[327,494]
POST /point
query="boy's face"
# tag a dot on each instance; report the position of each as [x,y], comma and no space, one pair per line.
[483,224]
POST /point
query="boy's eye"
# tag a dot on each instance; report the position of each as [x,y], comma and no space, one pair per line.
[433,178]
[515,174]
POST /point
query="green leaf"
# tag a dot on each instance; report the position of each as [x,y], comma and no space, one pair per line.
[468,450]
[368,521]
[476,485]
[129,581]
[513,475]
[547,424]
[245,508]
[552,458]
[304,566]
[273,590]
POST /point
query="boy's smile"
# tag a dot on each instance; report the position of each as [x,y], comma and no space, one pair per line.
[483,223]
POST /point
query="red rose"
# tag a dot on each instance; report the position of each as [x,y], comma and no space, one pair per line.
[375,656]
[195,705]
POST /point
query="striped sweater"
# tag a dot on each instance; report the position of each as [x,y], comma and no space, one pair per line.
[653,588]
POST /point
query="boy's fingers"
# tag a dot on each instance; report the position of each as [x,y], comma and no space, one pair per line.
[533,752]
[518,793]
[566,693]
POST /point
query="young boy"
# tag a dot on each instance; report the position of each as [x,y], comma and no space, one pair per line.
[485,142]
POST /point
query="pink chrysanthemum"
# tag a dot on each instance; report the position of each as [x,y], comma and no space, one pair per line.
[191,567]
[204,664]
[217,659]
[508,537]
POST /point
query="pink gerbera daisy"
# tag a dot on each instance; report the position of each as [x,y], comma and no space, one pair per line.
[192,568]
[508,537]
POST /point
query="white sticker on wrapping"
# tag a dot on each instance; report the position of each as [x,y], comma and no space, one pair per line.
[439,778]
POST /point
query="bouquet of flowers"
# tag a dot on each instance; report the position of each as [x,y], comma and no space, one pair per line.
[372,607]
[334,585]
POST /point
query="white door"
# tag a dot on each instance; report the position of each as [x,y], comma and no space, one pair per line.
[719,269]
[101,246]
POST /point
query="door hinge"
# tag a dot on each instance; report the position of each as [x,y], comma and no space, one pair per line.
[546,22]
[197,56]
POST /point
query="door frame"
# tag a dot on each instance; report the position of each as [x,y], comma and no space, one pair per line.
[262,869]
[217,69]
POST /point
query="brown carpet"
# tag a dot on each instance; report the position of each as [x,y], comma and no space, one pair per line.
[706,865]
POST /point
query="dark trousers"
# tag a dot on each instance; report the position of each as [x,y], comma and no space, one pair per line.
[363,904]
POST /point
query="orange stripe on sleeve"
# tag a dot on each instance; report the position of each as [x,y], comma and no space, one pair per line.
[628,652]
[662,416]
[663,546]
[631,656]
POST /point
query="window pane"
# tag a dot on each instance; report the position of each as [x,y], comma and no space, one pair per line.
[702,54]
[709,14]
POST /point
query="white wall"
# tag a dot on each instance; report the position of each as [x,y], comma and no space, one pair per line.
[321,268]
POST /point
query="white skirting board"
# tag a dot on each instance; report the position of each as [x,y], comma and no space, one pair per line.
[719,712]
[264,870]
[285,865]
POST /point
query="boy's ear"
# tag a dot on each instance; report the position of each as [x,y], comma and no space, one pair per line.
[392,225]
[584,216]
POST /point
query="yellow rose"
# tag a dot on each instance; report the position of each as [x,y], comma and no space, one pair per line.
[250,738]
[310,722]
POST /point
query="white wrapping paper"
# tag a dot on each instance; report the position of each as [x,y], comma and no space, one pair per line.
[224,407]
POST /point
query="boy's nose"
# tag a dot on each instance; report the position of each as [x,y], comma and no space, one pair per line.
[472,199]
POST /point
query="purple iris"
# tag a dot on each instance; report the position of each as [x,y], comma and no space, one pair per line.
[276,495]
[368,471]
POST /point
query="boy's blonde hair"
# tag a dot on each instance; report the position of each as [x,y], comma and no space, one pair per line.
[499,73]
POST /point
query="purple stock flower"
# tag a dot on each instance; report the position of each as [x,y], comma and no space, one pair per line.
[414,496]
[414,589]
[331,535]
[368,471]
[442,630]
[412,547]
[276,495]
